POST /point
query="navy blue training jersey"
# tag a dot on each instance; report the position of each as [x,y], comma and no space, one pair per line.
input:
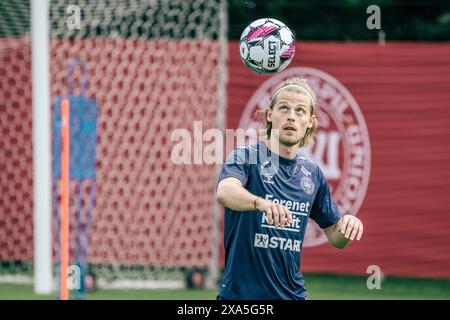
[261,261]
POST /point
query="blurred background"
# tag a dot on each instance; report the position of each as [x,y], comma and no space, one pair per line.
[144,227]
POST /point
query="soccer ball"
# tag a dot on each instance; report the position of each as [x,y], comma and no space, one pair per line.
[267,46]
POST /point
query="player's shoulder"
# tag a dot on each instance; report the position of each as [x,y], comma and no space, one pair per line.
[247,149]
[250,149]
[244,153]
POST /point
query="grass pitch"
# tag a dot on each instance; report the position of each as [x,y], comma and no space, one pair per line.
[319,286]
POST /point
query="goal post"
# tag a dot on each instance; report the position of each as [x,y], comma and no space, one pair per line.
[152,67]
[42,151]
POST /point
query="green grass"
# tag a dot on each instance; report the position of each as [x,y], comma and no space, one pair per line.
[320,287]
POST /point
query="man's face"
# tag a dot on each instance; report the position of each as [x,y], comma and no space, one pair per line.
[291,115]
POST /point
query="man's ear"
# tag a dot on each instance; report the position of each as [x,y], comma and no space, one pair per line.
[311,121]
[269,115]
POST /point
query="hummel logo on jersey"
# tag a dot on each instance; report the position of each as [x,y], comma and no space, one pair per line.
[266,172]
[263,241]
[267,177]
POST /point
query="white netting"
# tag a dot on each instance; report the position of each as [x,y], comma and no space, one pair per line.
[152,67]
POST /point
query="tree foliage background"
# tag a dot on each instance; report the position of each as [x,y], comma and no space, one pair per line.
[345,20]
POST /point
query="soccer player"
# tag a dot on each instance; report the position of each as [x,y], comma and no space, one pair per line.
[269,192]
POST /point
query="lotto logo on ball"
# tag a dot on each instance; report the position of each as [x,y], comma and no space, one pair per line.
[267,46]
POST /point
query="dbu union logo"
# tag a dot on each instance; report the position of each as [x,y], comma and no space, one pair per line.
[342,144]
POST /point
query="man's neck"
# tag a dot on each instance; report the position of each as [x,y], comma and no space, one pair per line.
[274,145]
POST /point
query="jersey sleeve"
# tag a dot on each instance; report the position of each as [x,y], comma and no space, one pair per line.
[236,165]
[324,210]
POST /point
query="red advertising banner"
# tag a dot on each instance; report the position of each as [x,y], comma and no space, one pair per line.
[383,143]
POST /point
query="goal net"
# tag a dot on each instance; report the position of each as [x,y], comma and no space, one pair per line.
[150,66]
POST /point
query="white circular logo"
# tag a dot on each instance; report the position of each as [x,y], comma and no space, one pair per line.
[342,145]
[307,185]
